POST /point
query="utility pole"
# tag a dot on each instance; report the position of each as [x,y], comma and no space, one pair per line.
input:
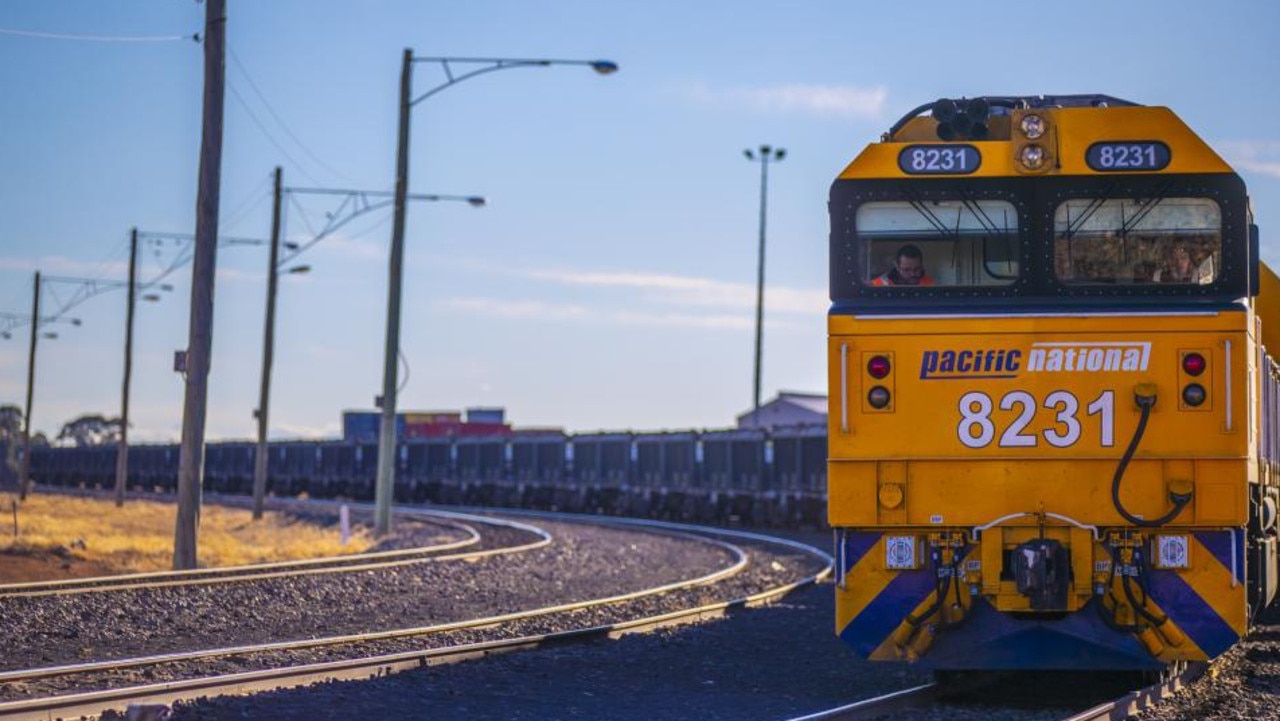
[200,343]
[122,450]
[268,351]
[24,482]
[767,154]
[387,432]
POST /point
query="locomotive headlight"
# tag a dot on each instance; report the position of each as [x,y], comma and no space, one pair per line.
[900,553]
[1032,157]
[1173,552]
[1032,126]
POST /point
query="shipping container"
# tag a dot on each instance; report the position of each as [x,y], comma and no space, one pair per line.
[486,415]
[365,426]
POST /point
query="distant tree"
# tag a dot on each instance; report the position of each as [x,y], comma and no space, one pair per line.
[10,423]
[89,430]
[10,437]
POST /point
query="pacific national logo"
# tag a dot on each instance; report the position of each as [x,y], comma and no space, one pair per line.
[946,364]
[1101,357]
[1056,357]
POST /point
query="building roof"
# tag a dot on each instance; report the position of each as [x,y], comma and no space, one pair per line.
[788,408]
[815,402]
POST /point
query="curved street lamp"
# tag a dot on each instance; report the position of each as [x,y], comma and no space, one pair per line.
[384,485]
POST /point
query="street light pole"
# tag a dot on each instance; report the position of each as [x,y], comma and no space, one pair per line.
[24,481]
[268,353]
[385,482]
[767,155]
[387,429]
[122,449]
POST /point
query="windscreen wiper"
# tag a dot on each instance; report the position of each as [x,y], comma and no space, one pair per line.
[919,205]
[984,220]
[1094,205]
[1145,210]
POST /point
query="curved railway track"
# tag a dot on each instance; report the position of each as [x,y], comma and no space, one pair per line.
[982,698]
[371,653]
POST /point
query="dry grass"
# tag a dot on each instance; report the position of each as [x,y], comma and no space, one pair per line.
[100,538]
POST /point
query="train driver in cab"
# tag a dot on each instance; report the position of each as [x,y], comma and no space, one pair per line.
[908,269]
[1183,268]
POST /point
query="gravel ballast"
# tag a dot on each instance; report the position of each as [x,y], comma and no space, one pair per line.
[773,663]
[583,562]
[765,663]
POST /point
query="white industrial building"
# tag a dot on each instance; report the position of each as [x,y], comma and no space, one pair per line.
[789,408]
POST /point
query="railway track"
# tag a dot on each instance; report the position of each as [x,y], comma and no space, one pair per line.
[369,654]
[982,700]
[1142,699]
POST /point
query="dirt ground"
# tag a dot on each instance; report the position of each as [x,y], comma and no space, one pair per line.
[21,565]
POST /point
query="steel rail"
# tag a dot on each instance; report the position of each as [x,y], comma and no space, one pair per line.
[1143,699]
[925,697]
[878,706]
[740,563]
[247,572]
[94,702]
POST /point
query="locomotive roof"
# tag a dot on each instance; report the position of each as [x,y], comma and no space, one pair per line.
[1073,124]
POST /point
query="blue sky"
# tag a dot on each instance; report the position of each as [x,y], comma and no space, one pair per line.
[610,283]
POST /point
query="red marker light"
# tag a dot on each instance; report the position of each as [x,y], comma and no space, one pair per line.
[878,367]
[1194,364]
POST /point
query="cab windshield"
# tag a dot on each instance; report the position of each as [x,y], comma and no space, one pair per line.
[937,243]
[1137,240]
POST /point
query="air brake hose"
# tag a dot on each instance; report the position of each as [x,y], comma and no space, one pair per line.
[955,586]
[1141,606]
[1108,618]
[941,589]
[1145,402]
[940,596]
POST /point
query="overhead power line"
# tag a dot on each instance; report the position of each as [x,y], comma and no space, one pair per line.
[280,121]
[267,133]
[100,38]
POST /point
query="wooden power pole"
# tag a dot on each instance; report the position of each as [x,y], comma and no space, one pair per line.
[268,354]
[122,449]
[200,343]
[24,481]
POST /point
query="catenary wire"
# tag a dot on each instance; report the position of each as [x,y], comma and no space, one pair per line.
[251,201]
[235,94]
[261,96]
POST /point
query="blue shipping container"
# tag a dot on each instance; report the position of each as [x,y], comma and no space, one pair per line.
[363,426]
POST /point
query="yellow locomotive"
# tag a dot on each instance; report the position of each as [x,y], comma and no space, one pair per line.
[1053,416]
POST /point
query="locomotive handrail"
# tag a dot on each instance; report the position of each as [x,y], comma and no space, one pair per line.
[1227,351]
[973,534]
